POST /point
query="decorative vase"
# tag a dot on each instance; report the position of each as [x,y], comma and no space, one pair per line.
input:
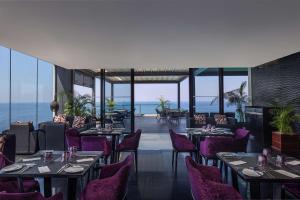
[54,106]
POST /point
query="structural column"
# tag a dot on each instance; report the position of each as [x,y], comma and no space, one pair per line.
[191,96]
[221,90]
[178,95]
[102,97]
[112,91]
[132,117]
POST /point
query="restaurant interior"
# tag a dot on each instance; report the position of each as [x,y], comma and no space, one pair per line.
[74,127]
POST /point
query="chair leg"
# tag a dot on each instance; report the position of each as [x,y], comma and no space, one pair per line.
[173,159]
[206,161]
[176,160]
[136,160]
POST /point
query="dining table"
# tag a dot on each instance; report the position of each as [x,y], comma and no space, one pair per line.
[114,133]
[49,164]
[245,166]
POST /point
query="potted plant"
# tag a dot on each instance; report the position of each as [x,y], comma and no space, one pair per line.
[110,104]
[284,140]
[237,97]
[163,103]
[78,106]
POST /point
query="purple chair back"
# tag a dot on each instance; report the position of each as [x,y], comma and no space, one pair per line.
[194,178]
[4,161]
[241,140]
[109,188]
[131,142]
[110,170]
[181,142]
[28,196]
[205,189]
[73,138]
[96,143]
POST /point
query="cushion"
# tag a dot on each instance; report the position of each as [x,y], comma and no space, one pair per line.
[78,122]
[220,119]
[200,119]
[60,118]
[2,142]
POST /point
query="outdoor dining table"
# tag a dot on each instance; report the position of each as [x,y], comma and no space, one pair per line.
[31,165]
[114,133]
[271,173]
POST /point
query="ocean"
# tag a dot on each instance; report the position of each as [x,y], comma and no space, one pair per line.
[28,111]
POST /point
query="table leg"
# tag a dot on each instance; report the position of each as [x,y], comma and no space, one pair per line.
[254,190]
[47,187]
[234,177]
[20,184]
[225,173]
[277,191]
[72,184]
[113,144]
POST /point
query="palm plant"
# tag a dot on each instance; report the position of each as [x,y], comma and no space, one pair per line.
[163,103]
[237,97]
[110,104]
[283,119]
[78,106]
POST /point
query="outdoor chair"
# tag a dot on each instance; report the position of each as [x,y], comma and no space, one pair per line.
[8,145]
[112,184]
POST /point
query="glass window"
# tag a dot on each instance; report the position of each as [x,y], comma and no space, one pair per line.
[207,92]
[45,90]
[147,97]
[122,96]
[233,83]
[184,94]
[82,91]
[4,85]
[98,96]
[23,87]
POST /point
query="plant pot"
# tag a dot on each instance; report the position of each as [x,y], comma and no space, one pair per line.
[286,144]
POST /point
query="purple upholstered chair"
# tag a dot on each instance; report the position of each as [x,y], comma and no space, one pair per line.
[293,189]
[180,144]
[73,138]
[28,196]
[130,144]
[10,185]
[113,183]
[213,145]
[205,183]
[96,143]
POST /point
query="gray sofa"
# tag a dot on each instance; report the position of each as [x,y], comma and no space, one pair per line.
[231,122]
[52,135]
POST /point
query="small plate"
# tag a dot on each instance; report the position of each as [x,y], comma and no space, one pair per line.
[252,173]
[74,169]
[11,168]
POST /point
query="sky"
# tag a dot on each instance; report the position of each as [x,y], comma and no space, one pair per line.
[24,82]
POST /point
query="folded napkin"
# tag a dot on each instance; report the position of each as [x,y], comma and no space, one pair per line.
[294,162]
[289,174]
[30,159]
[85,160]
[238,162]
[44,169]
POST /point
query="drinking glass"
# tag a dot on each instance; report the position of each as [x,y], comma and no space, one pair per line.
[261,162]
[279,160]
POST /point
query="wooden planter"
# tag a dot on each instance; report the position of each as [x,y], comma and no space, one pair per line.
[286,144]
